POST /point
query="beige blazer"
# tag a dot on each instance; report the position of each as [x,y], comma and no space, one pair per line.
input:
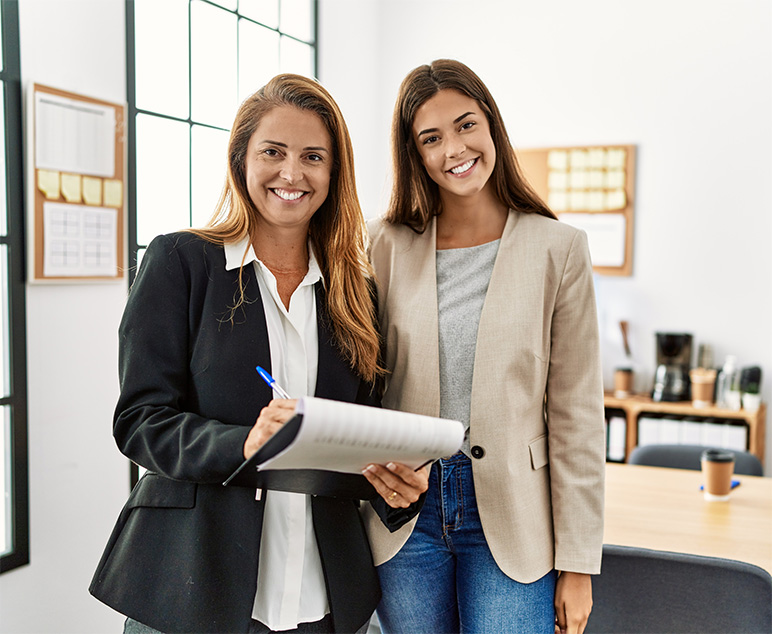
[537,394]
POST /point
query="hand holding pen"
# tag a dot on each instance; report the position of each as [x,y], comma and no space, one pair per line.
[271,417]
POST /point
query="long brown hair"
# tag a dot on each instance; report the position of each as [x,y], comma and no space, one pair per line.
[337,229]
[415,197]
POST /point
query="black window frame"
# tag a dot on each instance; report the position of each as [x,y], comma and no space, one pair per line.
[19,554]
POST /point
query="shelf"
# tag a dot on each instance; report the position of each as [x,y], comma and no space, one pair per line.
[638,404]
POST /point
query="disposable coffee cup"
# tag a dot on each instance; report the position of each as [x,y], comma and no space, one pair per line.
[703,380]
[623,382]
[717,470]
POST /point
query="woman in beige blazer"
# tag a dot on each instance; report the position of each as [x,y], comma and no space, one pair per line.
[487,307]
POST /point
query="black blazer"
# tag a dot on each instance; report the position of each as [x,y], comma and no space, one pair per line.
[183,556]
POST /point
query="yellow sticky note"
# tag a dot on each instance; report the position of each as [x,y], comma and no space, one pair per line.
[596,157]
[578,159]
[48,183]
[557,159]
[558,201]
[71,188]
[595,200]
[615,179]
[616,199]
[92,190]
[557,179]
[113,193]
[616,158]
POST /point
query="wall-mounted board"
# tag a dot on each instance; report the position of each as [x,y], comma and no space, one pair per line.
[590,187]
[76,187]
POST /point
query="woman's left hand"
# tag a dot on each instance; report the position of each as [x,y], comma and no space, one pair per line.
[573,602]
[396,483]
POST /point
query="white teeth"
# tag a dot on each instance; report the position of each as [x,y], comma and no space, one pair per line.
[463,168]
[285,195]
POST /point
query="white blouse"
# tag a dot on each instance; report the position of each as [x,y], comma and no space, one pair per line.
[290,582]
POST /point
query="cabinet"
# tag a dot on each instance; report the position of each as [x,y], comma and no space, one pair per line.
[636,405]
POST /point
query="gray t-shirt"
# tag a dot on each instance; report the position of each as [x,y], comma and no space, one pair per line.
[462,282]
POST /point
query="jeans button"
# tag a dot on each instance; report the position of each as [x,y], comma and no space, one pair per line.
[477,451]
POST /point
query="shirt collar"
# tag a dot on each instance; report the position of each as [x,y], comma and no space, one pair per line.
[235,251]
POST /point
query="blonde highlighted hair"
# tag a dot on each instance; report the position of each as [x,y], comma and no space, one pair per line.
[337,230]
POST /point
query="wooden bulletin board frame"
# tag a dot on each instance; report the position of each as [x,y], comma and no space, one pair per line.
[555,183]
[93,201]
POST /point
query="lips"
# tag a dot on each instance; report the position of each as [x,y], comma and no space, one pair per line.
[288,195]
[463,168]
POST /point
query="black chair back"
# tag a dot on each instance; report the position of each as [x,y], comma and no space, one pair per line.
[688,457]
[651,591]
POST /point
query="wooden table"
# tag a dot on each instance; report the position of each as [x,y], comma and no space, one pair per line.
[663,509]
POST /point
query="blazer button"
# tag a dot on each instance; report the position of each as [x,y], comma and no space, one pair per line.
[477,451]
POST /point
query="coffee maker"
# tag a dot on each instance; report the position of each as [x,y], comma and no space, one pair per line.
[674,356]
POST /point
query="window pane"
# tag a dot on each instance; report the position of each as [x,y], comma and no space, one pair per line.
[263,11]
[226,4]
[161,56]
[6,483]
[3,173]
[258,57]
[163,176]
[209,156]
[296,57]
[215,65]
[297,18]
[5,327]
[140,255]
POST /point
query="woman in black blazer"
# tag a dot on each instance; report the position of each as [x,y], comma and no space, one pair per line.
[184,555]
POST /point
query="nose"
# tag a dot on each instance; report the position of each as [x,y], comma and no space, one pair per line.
[291,170]
[454,147]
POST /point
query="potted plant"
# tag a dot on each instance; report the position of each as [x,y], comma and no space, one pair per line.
[750,385]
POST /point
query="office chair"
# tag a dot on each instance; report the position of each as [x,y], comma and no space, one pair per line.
[688,457]
[641,591]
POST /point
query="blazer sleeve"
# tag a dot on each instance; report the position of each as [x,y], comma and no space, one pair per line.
[575,418]
[154,423]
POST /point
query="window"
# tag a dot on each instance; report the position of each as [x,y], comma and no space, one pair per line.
[14,510]
[190,64]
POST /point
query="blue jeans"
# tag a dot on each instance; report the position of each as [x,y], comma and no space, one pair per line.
[445,579]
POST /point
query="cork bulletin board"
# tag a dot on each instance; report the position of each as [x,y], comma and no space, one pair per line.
[76,187]
[593,188]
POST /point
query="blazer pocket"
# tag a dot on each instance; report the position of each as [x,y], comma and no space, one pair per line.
[157,491]
[539,452]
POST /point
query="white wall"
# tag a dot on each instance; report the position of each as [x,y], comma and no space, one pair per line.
[78,479]
[687,81]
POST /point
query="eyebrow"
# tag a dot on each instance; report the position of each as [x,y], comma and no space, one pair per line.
[311,147]
[456,120]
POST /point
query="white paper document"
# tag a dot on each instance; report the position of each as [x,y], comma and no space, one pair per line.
[74,136]
[346,437]
[79,241]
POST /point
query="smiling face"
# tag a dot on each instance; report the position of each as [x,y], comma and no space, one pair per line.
[454,141]
[288,167]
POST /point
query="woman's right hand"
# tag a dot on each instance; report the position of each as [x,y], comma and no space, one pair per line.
[273,416]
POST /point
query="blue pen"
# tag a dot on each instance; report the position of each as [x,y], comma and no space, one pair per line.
[272,382]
